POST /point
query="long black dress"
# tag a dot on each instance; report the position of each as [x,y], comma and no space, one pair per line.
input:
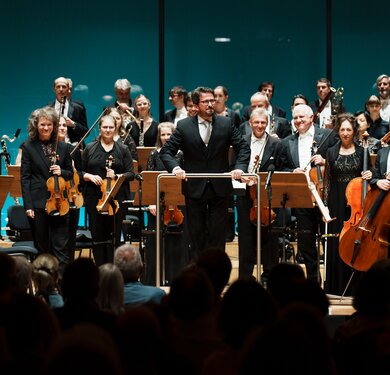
[339,171]
[175,245]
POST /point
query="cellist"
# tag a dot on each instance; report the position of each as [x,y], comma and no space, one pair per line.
[95,171]
[263,150]
[50,233]
[344,161]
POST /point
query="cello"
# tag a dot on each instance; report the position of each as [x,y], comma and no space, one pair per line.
[355,194]
[366,242]
[105,188]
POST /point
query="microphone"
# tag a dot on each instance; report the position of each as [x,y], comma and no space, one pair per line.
[138,177]
[271,170]
[17,133]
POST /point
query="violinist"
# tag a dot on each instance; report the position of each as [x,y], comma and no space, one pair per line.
[294,156]
[105,229]
[344,161]
[364,122]
[50,233]
[144,130]
[175,244]
[74,212]
[122,134]
[263,153]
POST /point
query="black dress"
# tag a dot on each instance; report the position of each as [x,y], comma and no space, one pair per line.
[174,244]
[339,171]
[150,135]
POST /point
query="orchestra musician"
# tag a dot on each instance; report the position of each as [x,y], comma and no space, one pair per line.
[344,161]
[75,114]
[176,246]
[205,141]
[364,122]
[144,129]
[74,213]
[263,153]
[105,229]
[50,233]
[294,156]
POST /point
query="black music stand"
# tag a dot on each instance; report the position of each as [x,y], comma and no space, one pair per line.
[286,190]
[170,190]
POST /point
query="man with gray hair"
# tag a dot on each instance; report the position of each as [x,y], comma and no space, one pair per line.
[128,259]
[383,86]
[122,88]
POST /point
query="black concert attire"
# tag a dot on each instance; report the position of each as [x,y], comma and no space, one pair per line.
[50,233]
[378,128]
[207,200]
[78,114]
[247,231]
[308,219]
[74,213]
[374,145]
[174,242]
[102,226]
[339,171]
[150,135]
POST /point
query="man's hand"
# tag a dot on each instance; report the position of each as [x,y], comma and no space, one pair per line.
[236,174]
[180,173]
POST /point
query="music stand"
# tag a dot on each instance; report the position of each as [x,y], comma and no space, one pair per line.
[5,184]
[16,187]
[171,189]
[288,190]
[143,155]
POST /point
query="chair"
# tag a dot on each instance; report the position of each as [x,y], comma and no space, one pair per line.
[84,241]
[29,252]
[20,233]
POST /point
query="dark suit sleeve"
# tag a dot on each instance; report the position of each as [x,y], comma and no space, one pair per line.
[283,162]
[376,173]
[25,179]
[171,147]
[242,150]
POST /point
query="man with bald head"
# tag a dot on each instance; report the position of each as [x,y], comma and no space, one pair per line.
[75,114]
[277,126]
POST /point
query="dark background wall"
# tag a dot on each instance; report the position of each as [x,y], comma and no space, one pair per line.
[96,43]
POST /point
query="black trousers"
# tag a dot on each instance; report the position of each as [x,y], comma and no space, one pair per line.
[50,234]
[308,220]
[247,241]
[207,219]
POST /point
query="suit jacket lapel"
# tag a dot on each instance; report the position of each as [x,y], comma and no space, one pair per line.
[294,150]
[45,165]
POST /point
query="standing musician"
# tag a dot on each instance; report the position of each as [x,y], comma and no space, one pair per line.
[74,212]
[294,156]
[263,151]
[144,130]
[50,233]
[176,246]
[75,114]
[205,140]
[344,161]
[105,230]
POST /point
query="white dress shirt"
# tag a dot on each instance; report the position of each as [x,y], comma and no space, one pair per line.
[305,143]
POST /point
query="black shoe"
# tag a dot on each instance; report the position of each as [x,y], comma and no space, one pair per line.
[299,258]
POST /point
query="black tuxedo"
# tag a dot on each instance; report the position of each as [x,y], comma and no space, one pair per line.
[276,111]
[282,127]
[78,114]
[170,115]
[206,199]
[50,233]
[380,168]
[247,232]
[308,218]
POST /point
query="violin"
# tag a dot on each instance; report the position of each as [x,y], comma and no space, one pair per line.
[106,190]
[267,216]
[316,173]
[355,194]
[173,215]
[75,198]
[57,204]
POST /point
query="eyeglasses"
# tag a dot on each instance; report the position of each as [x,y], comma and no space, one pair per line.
[210,101]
